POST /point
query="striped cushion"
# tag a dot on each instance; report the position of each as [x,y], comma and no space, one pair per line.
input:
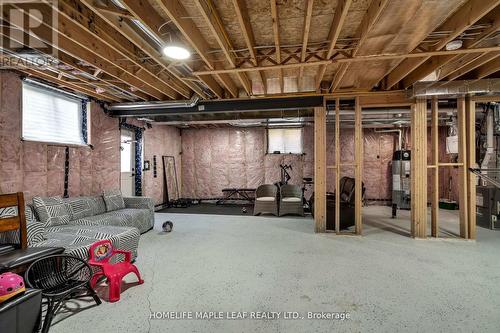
[51,211]
[113,200]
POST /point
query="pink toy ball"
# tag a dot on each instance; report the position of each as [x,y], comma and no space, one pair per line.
[10,285]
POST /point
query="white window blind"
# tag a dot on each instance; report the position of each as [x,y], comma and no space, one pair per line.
[284,140]
[49,116]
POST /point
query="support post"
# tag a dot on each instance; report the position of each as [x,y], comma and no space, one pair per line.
[462,173]
[337,163]
[470,110]
[358,171]
[320,169]
[435,161]
[419,169]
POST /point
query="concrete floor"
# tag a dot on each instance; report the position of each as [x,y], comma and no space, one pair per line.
[386,281]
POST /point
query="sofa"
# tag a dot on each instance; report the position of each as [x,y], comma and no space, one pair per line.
[76,223]
[347,204]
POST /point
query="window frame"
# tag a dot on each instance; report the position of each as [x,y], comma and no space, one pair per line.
[301,128]
[65,94]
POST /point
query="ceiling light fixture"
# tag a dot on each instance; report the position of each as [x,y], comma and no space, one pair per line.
[176,52]
[454,45]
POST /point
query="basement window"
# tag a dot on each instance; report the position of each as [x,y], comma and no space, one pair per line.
[52,116]
[284,140]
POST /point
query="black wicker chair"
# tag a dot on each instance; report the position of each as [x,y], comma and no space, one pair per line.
[60,277]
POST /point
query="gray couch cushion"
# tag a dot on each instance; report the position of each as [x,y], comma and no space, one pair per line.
[51,211]
[78,239]
[81,207]
[128,217]
[113,200]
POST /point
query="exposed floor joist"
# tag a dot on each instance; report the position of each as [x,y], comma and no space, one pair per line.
[462,19]
[179,16]
[276,34]
[338,21]
[248,35]
[372,14]
[213,20]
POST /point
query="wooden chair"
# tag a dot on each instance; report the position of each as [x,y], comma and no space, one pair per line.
[16,257]
[14,223]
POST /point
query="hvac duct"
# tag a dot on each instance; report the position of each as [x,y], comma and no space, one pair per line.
[435,88]
[155,105]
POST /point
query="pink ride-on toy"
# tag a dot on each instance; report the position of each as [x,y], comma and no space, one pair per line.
[100,254]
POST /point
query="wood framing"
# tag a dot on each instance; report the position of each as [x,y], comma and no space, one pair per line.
[320,169]
[246,29]
[276,34]
[338,166]
[434,63]
[466,16]
[419,169]
[338,21]
[179,16]
[462,173]
[305,38]
[435,171]
[358,169]
[372,14]
[209,12]
[350,60]
[470,114]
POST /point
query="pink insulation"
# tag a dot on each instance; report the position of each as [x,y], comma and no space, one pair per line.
[213,159]
[38,168]
[235,157]
[160,141]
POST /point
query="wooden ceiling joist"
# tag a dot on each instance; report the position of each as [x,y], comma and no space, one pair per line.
[370,18]
[209,12]
[276,34]
[433,64]
[146,14]
[74,63]
[59,82]
[82,50]
[179,16]
[305,37]
[113,11]
[342,61]
[478,62]
[487,69]
[247,31]
[462,19]
[105,42]
[338,21]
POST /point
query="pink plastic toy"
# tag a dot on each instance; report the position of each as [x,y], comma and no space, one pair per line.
[10,285]
[100,254]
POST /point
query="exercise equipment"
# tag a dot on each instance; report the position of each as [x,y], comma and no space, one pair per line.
[237,194]
[285,176]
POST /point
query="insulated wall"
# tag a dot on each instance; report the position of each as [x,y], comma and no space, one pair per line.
[160,141]
[38,168]
[213,159]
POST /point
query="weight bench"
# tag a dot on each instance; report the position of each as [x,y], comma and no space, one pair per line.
[237,194]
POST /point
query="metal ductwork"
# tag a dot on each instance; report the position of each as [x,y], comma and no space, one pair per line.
[452,88]
[207,107]
[155,105]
